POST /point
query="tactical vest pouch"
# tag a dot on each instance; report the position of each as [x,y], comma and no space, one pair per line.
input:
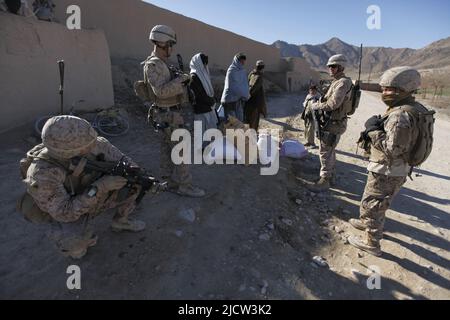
[141,91]
[351,103]
[328,138]
[336,127]
[425,125]
[31,212]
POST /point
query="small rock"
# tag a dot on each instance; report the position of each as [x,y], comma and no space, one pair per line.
[360,255]
[298,201]
[187,214]
[256,273]
[320,261]
[287,222]
[429,267]
[264,288]
[271,226]
[264,237]
[345,240]
[313,195]
[179,233]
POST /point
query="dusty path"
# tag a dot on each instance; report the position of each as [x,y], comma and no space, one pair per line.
[417,260]
[248,239]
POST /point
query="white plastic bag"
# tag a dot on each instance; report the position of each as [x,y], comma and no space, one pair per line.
[293,149]
[221,149]
[220,111]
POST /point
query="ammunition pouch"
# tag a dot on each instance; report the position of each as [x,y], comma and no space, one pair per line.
[31,212]
[328,138]
[336,127]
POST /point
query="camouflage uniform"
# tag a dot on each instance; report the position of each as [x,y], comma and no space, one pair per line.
[391,145]
[62,195]
[388,168]
[60,190]
[170,94]
[332,102]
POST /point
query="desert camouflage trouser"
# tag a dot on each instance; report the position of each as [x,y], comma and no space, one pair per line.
[178,174]
[70,236]
[309,130]
[378,195]
[327,154]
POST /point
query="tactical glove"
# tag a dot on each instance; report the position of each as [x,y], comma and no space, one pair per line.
[110,183]
[373,124]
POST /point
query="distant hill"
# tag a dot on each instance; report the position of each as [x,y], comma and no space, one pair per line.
[375,59]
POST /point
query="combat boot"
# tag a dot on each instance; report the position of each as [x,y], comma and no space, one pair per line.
[77,248]
[358,224]
[190,191]
[120,225]
[333,180]
[369,245]
[322,185]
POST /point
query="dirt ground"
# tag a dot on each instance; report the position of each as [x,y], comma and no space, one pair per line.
[252,237]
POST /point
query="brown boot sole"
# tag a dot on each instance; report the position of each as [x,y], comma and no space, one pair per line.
[355,242]
[357,224]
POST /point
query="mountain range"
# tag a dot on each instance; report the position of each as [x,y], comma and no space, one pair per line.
[375,59]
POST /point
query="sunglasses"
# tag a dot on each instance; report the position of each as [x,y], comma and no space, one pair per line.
[168,44]
[334,66]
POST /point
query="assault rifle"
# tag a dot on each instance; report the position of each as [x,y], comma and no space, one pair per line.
[317,124]
[123,168]
[61,66]
[357,88]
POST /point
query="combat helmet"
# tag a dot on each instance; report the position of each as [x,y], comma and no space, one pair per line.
[406,79]
[338,59]
[162,33]
[66,137]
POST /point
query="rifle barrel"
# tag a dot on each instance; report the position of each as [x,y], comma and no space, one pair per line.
[360,63]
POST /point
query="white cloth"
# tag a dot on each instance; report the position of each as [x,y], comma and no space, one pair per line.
[202,72]
[209,120]
[309,97]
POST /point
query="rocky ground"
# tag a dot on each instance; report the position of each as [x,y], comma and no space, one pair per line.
[252,237]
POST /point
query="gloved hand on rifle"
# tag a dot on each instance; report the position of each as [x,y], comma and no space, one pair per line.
[110,183]
[373,124]
[315,106]
[185,79]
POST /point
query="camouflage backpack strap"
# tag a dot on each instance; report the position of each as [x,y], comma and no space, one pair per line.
[424,123]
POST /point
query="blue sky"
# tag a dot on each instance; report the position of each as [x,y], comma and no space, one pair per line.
[404,23]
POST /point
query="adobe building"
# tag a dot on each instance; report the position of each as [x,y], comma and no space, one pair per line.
[111,31]
[127,24]
[29,81]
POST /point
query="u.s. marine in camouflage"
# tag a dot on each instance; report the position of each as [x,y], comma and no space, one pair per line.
[71,196]
[392,138]
[170,91]
[333,104]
